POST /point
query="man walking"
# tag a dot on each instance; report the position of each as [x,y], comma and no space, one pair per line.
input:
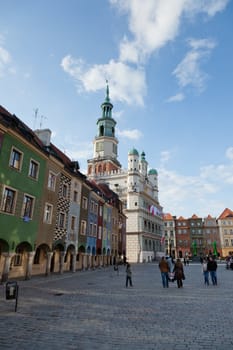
[164,269]
[212,268]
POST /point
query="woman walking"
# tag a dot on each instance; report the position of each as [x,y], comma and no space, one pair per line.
[205,272]
[179,273]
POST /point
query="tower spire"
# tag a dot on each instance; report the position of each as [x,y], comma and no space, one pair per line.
[107,99]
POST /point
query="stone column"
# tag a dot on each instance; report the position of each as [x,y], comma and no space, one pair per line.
[61,262]
[84,262]
[73,257]
[30,258]
[48,263]
[6,267]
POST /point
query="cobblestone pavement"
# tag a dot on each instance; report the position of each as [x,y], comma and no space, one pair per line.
[93,310]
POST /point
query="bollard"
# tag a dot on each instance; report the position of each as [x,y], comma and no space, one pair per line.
[12,290]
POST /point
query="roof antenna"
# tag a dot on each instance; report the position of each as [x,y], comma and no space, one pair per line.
[35,117]
[41,120]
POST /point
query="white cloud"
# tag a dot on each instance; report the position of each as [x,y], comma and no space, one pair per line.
[209,190]
[176,98]
[71,147]
[133,134]
[188,71]
[127,84]
[209,7]
[164,157]
[5,59]
[229,153]
[152,24]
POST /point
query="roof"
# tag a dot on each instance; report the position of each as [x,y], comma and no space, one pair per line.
[168,216]
[133,152]
[227,213]
[12,122]
[195,217]
[152,172]
[181,218]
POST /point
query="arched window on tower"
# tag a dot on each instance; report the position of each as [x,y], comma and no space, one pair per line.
[101,130]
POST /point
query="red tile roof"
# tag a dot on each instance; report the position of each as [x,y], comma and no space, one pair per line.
[195,216]
[227,213]
[181,218]
[168,216]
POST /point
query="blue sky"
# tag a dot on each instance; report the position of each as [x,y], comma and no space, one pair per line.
[169,67]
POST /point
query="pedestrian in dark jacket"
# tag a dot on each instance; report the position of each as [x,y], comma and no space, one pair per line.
[212,268]
[164,269]
[179,273]
[128,275]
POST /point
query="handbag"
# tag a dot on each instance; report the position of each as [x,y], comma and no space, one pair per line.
[171,276]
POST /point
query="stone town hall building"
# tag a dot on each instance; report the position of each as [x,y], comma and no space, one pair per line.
[137,187]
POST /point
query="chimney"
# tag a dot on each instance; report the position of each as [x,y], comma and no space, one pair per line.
[44,135]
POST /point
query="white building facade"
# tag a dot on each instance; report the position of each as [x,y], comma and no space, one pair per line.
[137,187]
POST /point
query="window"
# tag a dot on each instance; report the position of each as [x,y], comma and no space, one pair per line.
[100,232]
[75,196]
[95,230]
[73,220]
[9,198]
[17,260]
[28,203]
[84,203]
[65,191]
[51,181]
[231,242]
[96,208]
[61,220]
[226,243]
[48,213]
[33,169]
[91,229]
[83,227]
[16,159]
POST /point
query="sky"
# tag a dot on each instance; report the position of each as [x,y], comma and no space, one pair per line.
[168,64]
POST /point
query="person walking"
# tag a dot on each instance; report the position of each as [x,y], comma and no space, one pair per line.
[212,268]
[170,263]
[164,269]
[128,275]
[179,273]
[205,272]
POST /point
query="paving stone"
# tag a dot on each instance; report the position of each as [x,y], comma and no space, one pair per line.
[93,310]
